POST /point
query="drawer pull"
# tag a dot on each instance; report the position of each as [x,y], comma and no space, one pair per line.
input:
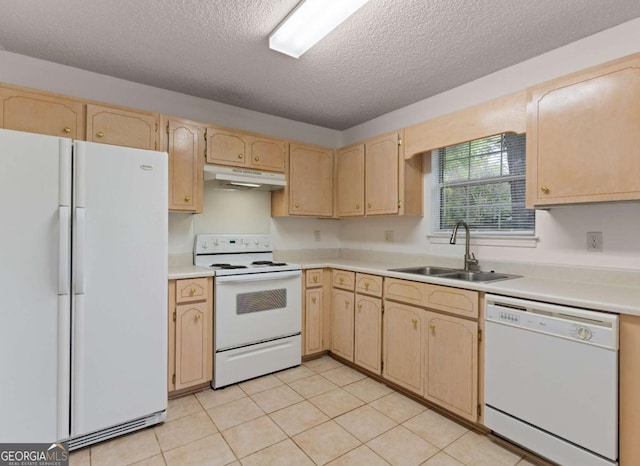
[187,199]
[257,159]
[313,299]
[545,189]
[240,156]
[315,279]
[341,280]
[100,134]
[67,129]
[192,291]
[366,285]
[197,316]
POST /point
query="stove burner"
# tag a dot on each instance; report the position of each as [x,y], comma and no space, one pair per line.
[227,266]
[262,263]
[278,264]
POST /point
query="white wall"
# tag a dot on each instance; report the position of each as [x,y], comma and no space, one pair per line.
[561,231]
[40,74]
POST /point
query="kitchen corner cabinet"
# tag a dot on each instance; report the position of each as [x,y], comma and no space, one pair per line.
[374,179]
[239,149]
[315,318]
[122,127]
[190,333]
[342,313]
[43,113]
[583,142]
[309,190]
[367,352]
[185,144]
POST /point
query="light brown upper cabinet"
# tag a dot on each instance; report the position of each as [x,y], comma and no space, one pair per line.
[373,178]
[122,127]
[309,189]
[33,112]
[583,136]
[185,144]
[238,149]
[350,181]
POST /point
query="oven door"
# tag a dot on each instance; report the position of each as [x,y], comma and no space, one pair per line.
[257,307]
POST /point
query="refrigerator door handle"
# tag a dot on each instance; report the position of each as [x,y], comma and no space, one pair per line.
[80,243]
[63,250]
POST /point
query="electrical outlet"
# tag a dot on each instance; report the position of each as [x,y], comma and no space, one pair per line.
[316,235]
[388,236]
[594,241]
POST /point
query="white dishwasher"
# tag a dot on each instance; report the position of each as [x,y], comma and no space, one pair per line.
[551,380]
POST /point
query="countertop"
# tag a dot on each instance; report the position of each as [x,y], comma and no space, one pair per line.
[608,297]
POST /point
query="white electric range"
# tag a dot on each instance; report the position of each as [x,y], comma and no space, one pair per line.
[258,307]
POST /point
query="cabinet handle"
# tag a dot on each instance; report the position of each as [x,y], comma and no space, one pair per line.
[357,205]
[187,199]
[67,129]
[366,285]
[297,204]
[240,156]
[99,134]
[313,299]
[545,190]
[432,326]
[192,291]
[369,205]
[341,280]
[197,316]
[359,307]
[346,302]
[315,279]
[415,323]
[256,158]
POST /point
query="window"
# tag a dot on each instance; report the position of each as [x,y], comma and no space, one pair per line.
[483,183]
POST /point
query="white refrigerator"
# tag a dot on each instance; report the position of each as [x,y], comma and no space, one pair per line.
[83,280]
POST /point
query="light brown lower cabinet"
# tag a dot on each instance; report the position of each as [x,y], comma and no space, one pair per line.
[190,333]
[629,383]
[342,323]
[403,345]
[313,322]
[368,333]
[451,364]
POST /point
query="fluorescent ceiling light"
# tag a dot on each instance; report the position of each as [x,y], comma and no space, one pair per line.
[309,22]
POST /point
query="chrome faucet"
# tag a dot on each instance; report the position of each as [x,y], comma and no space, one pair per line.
[470,261]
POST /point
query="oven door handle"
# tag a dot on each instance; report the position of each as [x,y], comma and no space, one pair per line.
[258,277]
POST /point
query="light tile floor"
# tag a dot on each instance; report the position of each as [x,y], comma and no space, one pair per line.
[321,412]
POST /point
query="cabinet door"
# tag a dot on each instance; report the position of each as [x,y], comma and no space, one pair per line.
[310,180]
[226,147]
[266,154]
[403,345]
[451,365]
[313,321]
[185,169]
[120,127]
[368,333]
[381,185]
[40,113]
[350,181]
[583,142]
[342,324]
[193,337]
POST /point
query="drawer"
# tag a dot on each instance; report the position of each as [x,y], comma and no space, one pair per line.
[192,289]
[369,284]
[453,300]
[314,278]
[343,279]
[405,291]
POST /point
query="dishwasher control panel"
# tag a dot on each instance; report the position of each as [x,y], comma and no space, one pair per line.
[591,327]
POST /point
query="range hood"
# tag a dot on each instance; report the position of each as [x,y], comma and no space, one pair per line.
[243,178]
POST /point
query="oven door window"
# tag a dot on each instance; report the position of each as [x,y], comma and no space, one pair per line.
[259,301]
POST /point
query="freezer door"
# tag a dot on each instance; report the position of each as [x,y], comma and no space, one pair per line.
[35,186]
[120,286]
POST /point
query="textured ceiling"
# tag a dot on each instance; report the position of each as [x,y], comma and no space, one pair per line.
[389,54]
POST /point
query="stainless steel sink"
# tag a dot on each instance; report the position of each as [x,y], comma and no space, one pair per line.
[426,270]
[456,274]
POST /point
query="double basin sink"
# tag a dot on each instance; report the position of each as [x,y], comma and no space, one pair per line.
[455,274]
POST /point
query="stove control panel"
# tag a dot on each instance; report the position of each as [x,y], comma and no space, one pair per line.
[210,244]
